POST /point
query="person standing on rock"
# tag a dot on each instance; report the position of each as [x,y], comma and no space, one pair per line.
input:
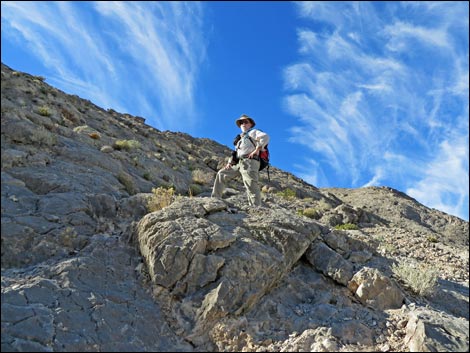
[245,161]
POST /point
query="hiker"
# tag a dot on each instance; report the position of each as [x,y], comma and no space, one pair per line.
[244,161]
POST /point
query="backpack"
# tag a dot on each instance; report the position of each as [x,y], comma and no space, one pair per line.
[264,158]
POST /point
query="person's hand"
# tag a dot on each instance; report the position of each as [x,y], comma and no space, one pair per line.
[254,153]
[228,166]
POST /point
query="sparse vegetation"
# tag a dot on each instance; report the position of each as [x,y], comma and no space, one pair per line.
[43,137]
[194,189]
[201,177]
[162,197]
[420,278]
[44,111]
[68,116]
[67,237]
[310,213]
[346,226]
[126,145]
[95,135]
[287,193]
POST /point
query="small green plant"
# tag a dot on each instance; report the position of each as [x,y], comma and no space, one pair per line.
[310,213]
[162,197]
[44,111]
[287,193]
[432,239]
[126,145]
[419,278]
[346,226]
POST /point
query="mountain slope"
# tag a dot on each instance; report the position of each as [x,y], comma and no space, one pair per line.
[87,266]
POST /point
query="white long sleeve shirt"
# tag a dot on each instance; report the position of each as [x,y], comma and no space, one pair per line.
[245,146]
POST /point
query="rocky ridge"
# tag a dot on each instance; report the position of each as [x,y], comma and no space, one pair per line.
[87,267]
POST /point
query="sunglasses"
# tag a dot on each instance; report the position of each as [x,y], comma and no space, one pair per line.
[244,122]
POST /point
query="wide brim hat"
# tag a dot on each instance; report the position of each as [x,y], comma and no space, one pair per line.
[245,117]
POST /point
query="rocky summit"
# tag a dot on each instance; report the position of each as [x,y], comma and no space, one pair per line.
[111,242]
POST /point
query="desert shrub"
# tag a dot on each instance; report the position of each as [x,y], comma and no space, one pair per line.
[418,277]
[95,135]
[43,137]
[126,145]
[287,193]
[44,111]
[162,197]
[201,177]
[67,237]
[346,226]
[310,213]
[66,114]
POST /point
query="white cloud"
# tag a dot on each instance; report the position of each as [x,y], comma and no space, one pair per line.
[376,178]
[309,172]
[308,40]
[401,33]
[376,87]
[385,114]
[86,47]
[444,185]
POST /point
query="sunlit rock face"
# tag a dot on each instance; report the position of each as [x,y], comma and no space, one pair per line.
[111,242]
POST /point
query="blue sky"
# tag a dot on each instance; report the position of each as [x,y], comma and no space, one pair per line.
[353,94]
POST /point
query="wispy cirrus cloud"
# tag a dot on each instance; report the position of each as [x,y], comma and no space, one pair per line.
[436,188]
[137,57]
[378,89]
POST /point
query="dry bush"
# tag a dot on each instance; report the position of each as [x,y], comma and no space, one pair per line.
[44,111]
[287,193]
[43,137]
[201,177]
[126,145]
[162,197]
[421,279]
[95,135]
[311,213]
